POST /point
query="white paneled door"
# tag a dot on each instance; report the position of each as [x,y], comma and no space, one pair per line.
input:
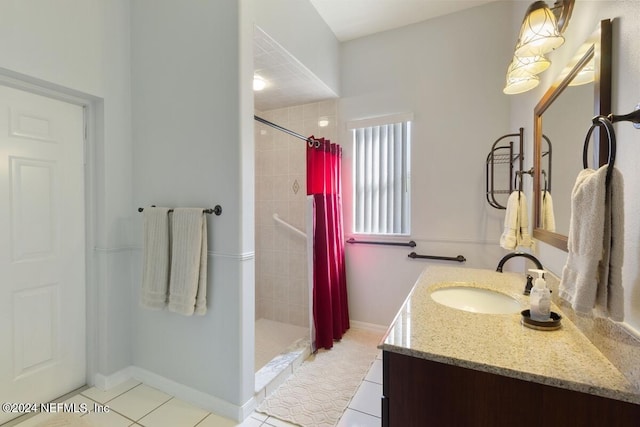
[42,248]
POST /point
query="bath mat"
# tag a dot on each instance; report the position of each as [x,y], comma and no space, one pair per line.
[318,392]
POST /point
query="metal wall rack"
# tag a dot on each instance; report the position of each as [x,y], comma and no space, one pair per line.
[506,160]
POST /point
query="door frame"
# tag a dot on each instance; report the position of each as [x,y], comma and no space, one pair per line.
[93,141]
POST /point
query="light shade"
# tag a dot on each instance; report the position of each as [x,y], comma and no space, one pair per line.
[528,65]
[539,32]
[516,85]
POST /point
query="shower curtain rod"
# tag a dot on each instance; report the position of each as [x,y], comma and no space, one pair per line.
[285,130]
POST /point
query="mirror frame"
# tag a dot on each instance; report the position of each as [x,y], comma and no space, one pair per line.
[599,45]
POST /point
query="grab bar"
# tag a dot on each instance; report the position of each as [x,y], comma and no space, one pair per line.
[289,226]
[411,243]
[458,258]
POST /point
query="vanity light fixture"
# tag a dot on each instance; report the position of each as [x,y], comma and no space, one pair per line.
[540,33]
[323,122]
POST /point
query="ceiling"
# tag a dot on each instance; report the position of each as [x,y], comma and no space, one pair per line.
[290,83]
[350,19]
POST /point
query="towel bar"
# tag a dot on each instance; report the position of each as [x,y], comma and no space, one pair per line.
[216,210]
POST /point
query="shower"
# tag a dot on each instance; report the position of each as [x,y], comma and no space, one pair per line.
[283,319]
[282,288]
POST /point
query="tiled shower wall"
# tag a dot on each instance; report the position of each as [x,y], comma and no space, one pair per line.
[282,291]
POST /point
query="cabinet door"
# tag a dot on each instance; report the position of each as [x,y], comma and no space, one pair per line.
[420,392]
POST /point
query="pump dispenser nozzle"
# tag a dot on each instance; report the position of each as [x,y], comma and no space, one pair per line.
[540,298]
[540,272]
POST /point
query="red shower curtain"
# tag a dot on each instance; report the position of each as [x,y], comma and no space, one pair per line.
[330,308]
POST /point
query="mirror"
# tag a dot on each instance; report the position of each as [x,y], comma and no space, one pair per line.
[561,121]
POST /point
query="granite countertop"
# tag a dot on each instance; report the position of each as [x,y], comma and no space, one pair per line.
[499,343]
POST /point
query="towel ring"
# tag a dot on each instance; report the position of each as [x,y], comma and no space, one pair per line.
[601,121]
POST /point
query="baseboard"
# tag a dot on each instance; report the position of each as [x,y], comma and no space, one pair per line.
[104,382]
[195,397]
[368,326]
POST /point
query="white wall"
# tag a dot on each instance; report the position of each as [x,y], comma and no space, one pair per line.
[626,80]
[187,152]
[449,72]
[81,47]
[41,39]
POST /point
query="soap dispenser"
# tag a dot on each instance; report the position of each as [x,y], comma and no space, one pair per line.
[540,298]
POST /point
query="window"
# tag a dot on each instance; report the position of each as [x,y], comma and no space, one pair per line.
[381,175]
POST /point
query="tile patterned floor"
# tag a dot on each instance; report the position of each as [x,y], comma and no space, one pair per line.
[136,404]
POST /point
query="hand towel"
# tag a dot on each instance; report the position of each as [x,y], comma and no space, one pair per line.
[548,217]
[188,279]
[610,294]
[516,223]
[156,258]
[579,282]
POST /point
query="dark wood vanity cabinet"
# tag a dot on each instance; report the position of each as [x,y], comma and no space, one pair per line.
[419,392]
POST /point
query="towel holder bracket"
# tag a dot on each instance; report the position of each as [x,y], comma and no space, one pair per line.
[633,117]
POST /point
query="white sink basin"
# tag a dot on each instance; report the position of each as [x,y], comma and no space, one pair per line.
[476,300]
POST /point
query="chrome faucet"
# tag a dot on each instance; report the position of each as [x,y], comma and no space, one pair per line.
[507,257]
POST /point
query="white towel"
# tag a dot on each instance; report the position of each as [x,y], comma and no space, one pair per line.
[516,223]
[156,258]
[587,278]
[610,294]
[548,217]
[188,282]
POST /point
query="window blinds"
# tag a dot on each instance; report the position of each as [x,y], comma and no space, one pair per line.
[381,178]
